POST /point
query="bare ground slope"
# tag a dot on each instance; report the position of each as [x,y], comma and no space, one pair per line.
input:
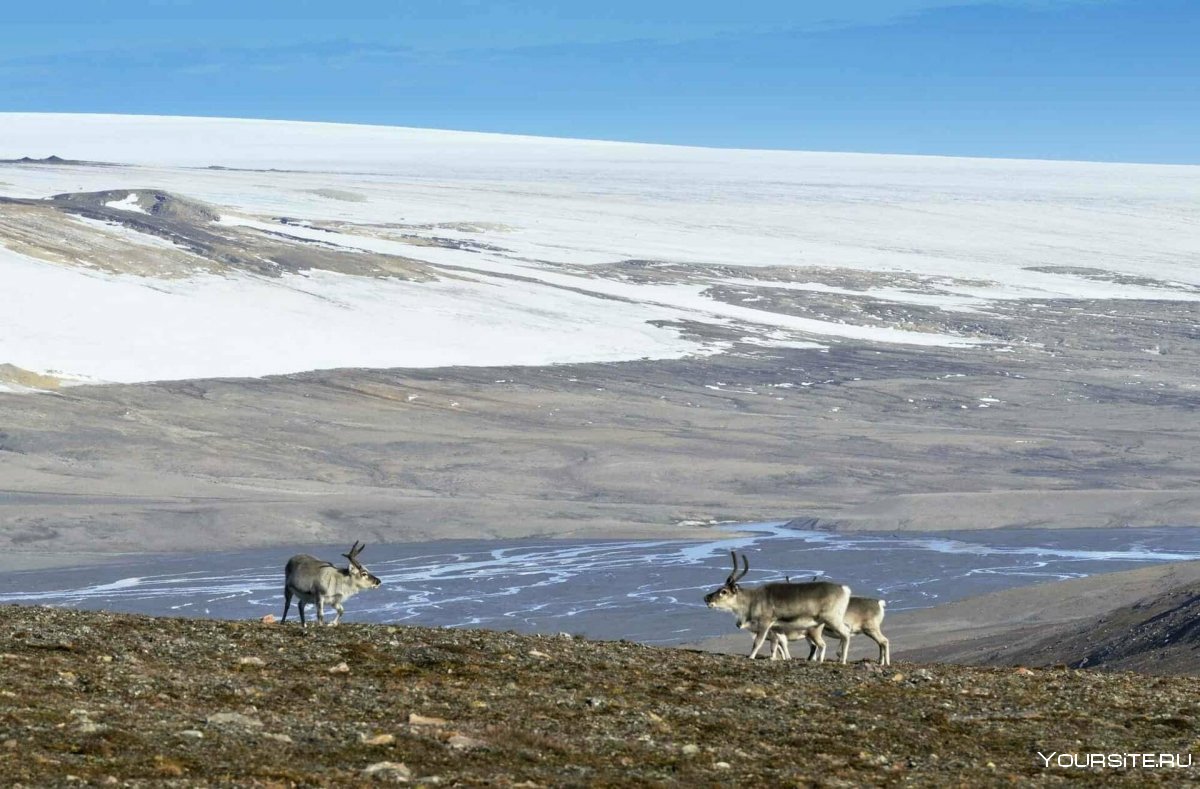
[860,437]
[1157,633]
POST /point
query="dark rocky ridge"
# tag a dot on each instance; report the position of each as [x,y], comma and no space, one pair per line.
[1159,634]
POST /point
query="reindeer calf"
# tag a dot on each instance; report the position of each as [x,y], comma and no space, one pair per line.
[863,615]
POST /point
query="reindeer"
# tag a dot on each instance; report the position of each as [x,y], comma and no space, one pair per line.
[313,580]
[806,605]
[863,615]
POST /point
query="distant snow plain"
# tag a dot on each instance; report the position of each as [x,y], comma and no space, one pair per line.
[537,210]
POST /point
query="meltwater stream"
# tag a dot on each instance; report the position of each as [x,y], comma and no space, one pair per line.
[643,590]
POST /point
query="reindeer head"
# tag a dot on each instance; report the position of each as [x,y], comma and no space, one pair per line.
[725,596]
[358,574]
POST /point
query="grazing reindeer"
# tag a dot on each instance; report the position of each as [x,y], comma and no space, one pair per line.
[863,615]
[313,580]
[806,605]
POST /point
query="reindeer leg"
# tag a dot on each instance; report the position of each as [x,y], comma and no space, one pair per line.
[779,650]
[320,609]
[287,603]
[841,631]
[300,607]
[759,638]
[885,648]
[816,643]
[338,606]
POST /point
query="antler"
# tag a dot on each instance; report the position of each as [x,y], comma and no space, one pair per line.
[745,568]
[355,550]
[734,577]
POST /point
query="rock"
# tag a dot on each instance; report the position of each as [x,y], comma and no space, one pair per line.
[420,720]
[269,619]
[461,742]
[722,765]
[277,737]
[234,719]
[595,702]
[537,654]
[340,668]
[192,734]
[378,739]
[923,674]
[1024,672]
[251,661]
[897,677]
[396,771]
[691,749]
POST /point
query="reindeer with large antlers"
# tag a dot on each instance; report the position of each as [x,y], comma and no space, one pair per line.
[314,580]
[805,605]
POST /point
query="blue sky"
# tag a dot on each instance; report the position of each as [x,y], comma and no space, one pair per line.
[1108,80]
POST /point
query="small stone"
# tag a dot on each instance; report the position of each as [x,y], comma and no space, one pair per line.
[110,780]
[278,737]
[461,742]
[566,636]
[537,654]
[722,765]
[251,661]
[755,691]
[340,668]
[691,749]
[595,702]
[10,743]
[192,734]
[1024,672]
[269,619]
[105,659]
[90,727]
[480,705]
[420,720]
[378,739]
[233,719]
[394,770]
[897,677]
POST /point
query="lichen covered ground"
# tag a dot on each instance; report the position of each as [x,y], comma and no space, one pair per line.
[104,699]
